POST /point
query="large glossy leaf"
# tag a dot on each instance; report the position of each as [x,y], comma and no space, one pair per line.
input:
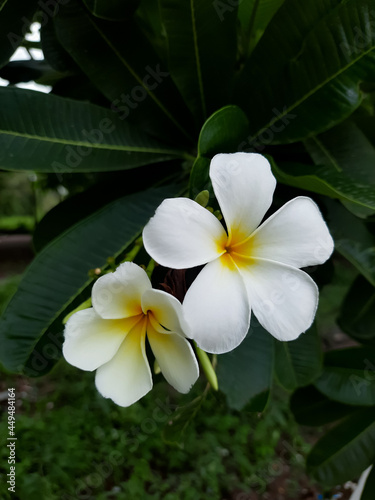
[69,136]
[254,16]
[112,10]
[304,75]
[245,374]
[347,154]
[15,19]
[121,62]
[352,239]
[346,450]
[326,180]
[349,376]
[202,52]
[357,315]
[223,132]
[30,326]
[299,362]
[311,407]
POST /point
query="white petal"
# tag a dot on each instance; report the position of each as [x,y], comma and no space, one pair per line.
[176,359]
[217,307]
[283,298]
[91,341]
[296,235]
[244,186]
[183,234]
[127,377]
[166,310]
[118,295]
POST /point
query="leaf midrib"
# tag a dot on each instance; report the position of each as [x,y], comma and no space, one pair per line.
[310,93]
[56,140]
[197,59]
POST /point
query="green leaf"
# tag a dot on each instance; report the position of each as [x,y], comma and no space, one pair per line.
[349,376]
[346,450]
[299,362]
[254,16]
[245,374]
[304,75]
[32,323]
[325,180]
[352,239]
[112,10]
[14,26]
[350,156]
[223,132]
[311,407]
[368,491]
[69,136]
[357,315]
[135,81]
[202,44]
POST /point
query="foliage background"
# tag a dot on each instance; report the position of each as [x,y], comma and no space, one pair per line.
[143,94]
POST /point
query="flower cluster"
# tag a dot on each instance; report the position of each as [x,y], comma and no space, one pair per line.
[249,267]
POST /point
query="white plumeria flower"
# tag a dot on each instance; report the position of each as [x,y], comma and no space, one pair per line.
[110,337]
[249,267]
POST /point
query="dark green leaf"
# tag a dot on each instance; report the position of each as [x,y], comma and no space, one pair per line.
[223,132]
[368,491]
[311,407]
[60,273]
[357,316]
[15,20]
[352,239]
[245,374]
[120,61]
[113,10]
[304,75]
[350,156]
[346,450]
[349,376]
[254,16]
[202,45]
[69,136]
[325,180]
[299,362]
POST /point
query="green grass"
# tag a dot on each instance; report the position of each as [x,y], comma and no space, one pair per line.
[73,444]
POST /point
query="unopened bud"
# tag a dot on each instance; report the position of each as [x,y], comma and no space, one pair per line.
[202,198]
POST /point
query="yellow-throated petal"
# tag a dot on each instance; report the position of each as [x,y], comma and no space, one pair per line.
[295,235]
[127,377]
[183,234]
[91,341]
[118,295]
[283,298]
[176,359]
[166,310]
[217,307]
[244,186]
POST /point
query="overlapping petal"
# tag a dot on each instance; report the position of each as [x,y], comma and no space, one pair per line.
[217,307]
[283,298]
[118,295]
[183,234]
[91,341]
[244,186]
[166,310]
[127,376]
[176,359]
[296,235]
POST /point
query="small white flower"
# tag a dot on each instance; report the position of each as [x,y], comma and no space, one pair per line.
[110,337]
[249,267]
